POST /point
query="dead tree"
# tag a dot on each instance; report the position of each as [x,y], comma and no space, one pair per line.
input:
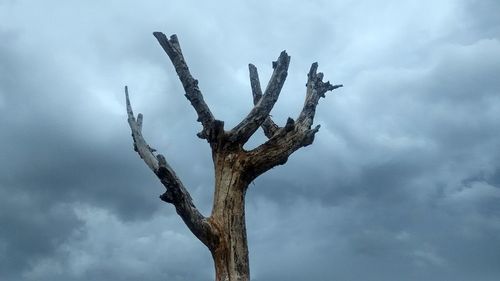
[224,232]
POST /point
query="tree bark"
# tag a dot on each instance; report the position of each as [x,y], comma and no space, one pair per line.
[224,231]
[228,215]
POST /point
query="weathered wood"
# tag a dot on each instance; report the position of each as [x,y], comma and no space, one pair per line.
[193,94]
[268,126]
[175,193]
[140,144]
[228,214]
[247,127]
[224,231]
[294,135]
[316,89]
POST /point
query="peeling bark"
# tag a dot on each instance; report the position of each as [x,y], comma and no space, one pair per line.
[224,231]
[228,213]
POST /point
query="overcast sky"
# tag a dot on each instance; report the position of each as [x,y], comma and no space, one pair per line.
[401,183]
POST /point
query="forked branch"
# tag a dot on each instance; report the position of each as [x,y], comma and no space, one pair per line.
[140,145]
[175,194]
[277,149]
[260,112]
[284,141]
[316,89]
[268,126]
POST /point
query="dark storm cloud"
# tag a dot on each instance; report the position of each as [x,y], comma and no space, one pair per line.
[402,181]
[419,138]
[48,157]
[481,19]
[46,166]
[57,155]
[30,231]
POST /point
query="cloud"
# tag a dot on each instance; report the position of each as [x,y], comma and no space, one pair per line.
[29,233]
[110,247]
[402,181]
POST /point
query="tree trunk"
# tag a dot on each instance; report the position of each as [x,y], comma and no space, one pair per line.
[231,253]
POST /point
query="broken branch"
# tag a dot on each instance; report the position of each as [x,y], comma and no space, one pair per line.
[193,94]
[175,194]
[316,89]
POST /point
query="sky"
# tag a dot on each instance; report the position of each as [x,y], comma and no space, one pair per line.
[402,181]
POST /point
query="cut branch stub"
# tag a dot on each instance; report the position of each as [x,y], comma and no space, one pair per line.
[245,129]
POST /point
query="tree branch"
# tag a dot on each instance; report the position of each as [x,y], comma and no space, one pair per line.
[175,194]
[171,46]
[268,126]
[316,89]
[294,135]
[277,149]
[245,129]
[140,145]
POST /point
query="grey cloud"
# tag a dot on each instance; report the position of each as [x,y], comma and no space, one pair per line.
[111,247]
[31,231]
[401,182]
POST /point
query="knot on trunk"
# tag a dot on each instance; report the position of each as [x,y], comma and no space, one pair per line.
[212,132]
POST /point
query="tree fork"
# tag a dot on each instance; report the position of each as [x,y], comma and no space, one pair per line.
[224,231]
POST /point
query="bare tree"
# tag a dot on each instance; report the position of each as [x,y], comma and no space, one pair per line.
[224,231]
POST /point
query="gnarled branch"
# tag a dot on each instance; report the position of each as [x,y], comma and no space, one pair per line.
[175,194]
[245,129]
[140,145]
[277,149]
[211,127]
[224,232]
[316,89]
[295,134]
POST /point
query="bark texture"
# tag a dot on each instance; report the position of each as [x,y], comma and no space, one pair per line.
[224,231]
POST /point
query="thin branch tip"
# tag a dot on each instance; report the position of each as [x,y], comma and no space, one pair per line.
[313,69]
[126,94]
[159,34]
[130,112]
[331,87]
